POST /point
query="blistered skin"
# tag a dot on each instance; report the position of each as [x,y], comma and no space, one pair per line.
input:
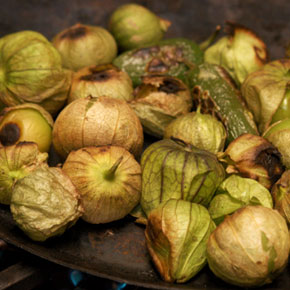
[96,122]
[45,203]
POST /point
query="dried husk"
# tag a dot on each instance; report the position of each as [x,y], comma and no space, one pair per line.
[254,157]
[266,92]
[85,45]
[159,100]
[31,72]
[281,196]
[97,122]
[17,161]
[45,203]
[201,130]
[249,248]
[176,237]
[105,198]
[101,80]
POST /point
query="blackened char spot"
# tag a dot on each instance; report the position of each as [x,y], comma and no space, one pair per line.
[96,76]
[270,159]
[9,134]
[74,32]
[170,86]
[156,66]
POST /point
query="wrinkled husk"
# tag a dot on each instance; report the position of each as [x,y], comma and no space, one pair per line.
[236,192]
[240,53]
[31,72]
[97,122]
[201,130]
[16,162]
[101,80]
[134,26]
[31,122]
[176,237]
[249,248]
[45,203]
[177,170]
[105,200]
[279,135]
[254,157]
[158,101]
[266,92]
[281,196]
[85,45]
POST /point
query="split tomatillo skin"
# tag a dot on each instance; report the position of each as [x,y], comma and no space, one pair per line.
[25,123]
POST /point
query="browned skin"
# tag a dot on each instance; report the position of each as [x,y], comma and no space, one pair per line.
[156,65]
[74,32]
[146,51]
[170,86]
[9,134]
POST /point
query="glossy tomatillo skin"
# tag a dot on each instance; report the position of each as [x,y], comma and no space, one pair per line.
[26,122]
[106,195]
[31,72]
[176,237]
[97,122]
[249,248]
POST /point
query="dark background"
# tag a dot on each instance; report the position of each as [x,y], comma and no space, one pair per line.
[194,19]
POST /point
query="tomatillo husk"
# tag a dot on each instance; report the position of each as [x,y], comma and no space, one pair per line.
[85,45]
[26,122]
[249,248]
[31,72]
[108,179]
[96,122]
[159,100]
[267,93]
[134,25]
[254,157]
[201,130]
[176,237]
[279,135]
[17,161]
[101,80]
[45,203]
[281,196]
[240,52]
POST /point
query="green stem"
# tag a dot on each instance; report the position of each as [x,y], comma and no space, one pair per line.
[205,44]
[110,174]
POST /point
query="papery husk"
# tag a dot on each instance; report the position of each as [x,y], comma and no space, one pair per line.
[31,72]
[97,122]
[176,237]
[45,203]
[17,161]
[254,157]
[101,80]
[159,100]
[105,200]
[85,45]
[281,196]
[249,248]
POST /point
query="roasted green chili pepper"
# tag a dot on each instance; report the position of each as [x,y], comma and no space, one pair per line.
[171,56]
[214,90]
